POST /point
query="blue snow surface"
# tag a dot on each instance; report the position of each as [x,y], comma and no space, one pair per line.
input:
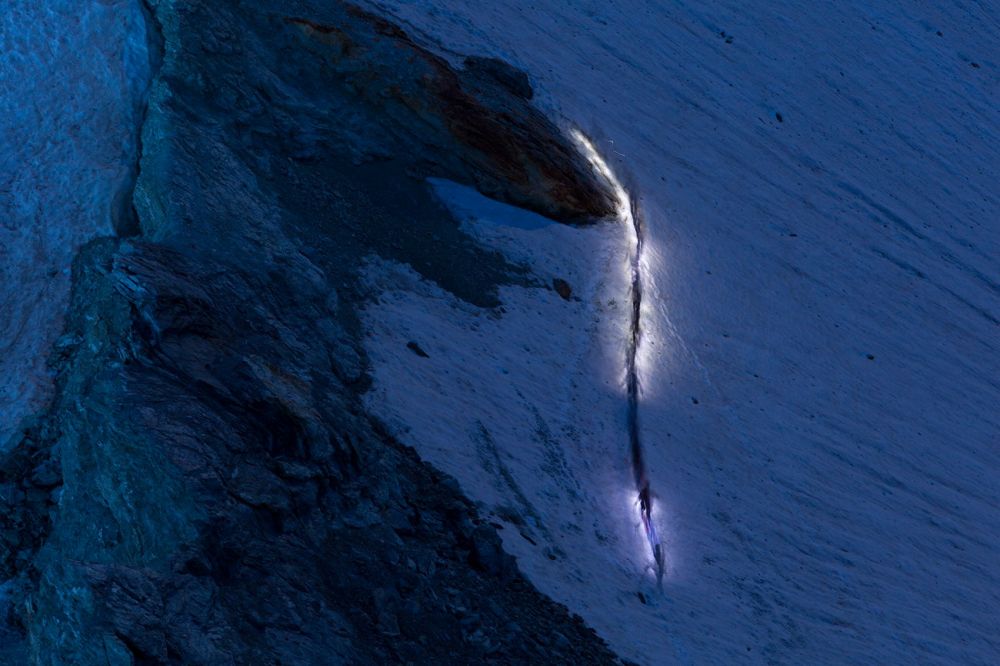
[72,79]
[467,202]
[821,370]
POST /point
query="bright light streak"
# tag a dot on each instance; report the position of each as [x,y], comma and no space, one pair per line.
[632,262]
[636,539]
[623,203]
[637,355]
[623,213]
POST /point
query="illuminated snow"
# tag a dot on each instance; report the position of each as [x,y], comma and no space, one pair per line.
[820,506]
[524,408]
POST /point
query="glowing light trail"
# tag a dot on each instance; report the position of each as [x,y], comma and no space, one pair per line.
[628,212]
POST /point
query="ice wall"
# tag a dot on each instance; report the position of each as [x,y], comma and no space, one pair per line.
[72,81]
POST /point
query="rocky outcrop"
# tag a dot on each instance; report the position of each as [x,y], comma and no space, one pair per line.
[206,487]
[473,124]
[224,501]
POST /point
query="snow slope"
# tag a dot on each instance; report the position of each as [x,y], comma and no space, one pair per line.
[820,406]
[526,406]
[73,77]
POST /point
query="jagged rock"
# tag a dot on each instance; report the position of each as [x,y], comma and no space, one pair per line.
[488,553]
[510,77]
[206,487]
[472,125]
[386,601]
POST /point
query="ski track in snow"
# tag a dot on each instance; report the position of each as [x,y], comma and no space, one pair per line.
[820,405]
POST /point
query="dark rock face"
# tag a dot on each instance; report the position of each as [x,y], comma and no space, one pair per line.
[473,125]
[206,487]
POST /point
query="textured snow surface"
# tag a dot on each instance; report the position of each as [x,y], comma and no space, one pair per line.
[820,409]
[72,77]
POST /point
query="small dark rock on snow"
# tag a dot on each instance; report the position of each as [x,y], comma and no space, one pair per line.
[562,288]
[416,349]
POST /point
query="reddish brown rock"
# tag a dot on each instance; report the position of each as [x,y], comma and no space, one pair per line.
[475,125]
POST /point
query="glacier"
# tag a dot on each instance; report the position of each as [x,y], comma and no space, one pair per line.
[819,391]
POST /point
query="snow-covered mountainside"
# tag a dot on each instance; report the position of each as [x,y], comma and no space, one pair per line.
[204,484]
[320,337]
[820,365]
